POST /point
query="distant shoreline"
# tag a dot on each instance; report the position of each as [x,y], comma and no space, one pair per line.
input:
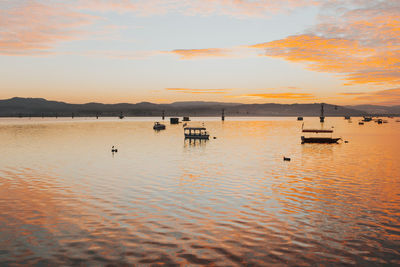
[39,107]
[205,116]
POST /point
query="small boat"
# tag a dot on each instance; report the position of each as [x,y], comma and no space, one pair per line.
[174,120]
[196,133]
[185,119]
[299,118]
[114,150]
[360,123]
[320,140]
[347,117]
[379,121]
[158,126]
[317,138]
[367,118]
[286,159]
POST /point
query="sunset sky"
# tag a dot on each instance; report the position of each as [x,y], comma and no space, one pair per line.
[343,52]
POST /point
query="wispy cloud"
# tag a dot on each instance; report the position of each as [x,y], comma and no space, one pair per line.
[235,8]
[358,39]
[382,97]
[352,93]
[118,54]
[201,53]
[32,27]
[299,96]
[199,91]
[246,8]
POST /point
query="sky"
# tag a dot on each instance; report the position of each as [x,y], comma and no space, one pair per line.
[344,52]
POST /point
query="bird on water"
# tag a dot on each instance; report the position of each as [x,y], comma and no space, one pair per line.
[114,149]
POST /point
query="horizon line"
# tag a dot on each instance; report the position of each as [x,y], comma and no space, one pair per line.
[188,101]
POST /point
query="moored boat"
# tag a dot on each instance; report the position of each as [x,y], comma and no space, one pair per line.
[196,133]
[174,120]
[320,140]
[324,139]
[367,118]
[158,126]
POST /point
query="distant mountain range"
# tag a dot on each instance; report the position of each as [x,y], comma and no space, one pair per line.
[373,109]
[36,107]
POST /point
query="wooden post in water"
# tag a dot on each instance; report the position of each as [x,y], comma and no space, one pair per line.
[223,115]
[322,117]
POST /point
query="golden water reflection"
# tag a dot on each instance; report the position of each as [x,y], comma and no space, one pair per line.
[66,200]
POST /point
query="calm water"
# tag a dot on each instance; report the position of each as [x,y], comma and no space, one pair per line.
[65,199]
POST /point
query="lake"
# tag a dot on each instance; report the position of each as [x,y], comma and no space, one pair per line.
[65,199]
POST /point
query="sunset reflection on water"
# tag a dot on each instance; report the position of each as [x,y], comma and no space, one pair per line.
[66,199]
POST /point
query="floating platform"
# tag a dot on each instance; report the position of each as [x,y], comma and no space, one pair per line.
[196,133]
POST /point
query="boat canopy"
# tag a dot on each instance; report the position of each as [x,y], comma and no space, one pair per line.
[195,128]
[317,131]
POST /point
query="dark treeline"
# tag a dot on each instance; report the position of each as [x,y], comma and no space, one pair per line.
[38,107]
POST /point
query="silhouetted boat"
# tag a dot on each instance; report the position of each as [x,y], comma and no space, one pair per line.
[196,133]
[361,123]
[185,119]
[174,120]
[299,118]
[319,139]
[158,126]
[367,119]
[347,117]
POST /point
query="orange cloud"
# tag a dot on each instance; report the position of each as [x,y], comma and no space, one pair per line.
[31,27]
[353,93]
[201,53]
[302,96]
[34,27]
[199,91]
[361,44]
